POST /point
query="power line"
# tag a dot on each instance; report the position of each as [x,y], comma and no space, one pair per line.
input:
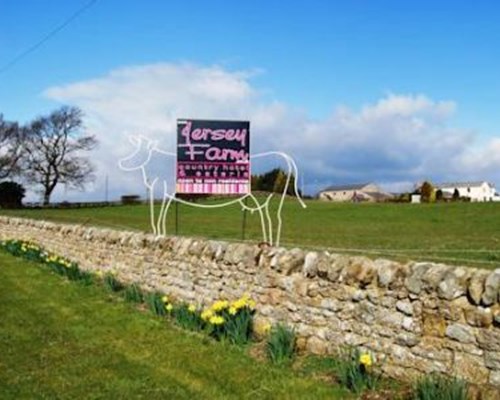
[48,36]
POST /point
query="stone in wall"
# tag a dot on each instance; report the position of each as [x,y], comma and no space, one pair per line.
[491,289]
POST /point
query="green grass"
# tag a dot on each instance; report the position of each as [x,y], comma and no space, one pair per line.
[60,339]
[457,233]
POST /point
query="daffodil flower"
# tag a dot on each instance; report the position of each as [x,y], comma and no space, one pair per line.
[206,314]
[216,320]
[220,305]
[366,360]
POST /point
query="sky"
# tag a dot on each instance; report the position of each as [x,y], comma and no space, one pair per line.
[356,91]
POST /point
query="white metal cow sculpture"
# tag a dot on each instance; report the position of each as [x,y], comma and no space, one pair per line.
[146,149]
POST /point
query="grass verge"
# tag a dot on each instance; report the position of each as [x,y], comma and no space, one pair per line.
[62,339]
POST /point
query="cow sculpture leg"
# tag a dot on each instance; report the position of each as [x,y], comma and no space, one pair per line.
[152,206]
[258,208]
[165,205]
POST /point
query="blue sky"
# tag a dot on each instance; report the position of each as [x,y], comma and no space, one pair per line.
[311,57]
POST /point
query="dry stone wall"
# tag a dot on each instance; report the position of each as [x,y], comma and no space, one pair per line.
[416,318]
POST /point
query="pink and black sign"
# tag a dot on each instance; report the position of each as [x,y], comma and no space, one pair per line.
[213,157]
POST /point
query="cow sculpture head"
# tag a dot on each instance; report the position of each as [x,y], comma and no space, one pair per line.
[140,156]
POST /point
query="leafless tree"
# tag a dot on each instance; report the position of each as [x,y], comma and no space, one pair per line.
[54,151]
[10,147]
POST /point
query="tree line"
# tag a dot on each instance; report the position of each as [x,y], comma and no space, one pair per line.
[430,194]
[273,181]
[48,151]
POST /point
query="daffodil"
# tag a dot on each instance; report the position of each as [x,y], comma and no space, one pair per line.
[240,303]
[207,314]
[192,308]
[169,307]
[233,310]
[366,360]
[220,305]
[164,299]
[216,320]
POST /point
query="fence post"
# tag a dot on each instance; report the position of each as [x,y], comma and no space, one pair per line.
[176,218]
[244,222]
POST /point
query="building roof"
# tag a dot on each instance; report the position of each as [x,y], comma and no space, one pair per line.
[336,188]
[461,184]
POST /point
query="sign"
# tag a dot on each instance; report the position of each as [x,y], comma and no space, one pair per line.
[213,157]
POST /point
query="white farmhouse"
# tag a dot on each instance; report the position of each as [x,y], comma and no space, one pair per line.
[356,193]
[476,191]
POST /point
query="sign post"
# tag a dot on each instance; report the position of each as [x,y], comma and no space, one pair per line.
[244,222]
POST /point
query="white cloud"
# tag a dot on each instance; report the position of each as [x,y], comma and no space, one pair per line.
[408,106]
[400,138]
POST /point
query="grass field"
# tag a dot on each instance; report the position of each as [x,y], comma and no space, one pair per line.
[458,233]
[60,339]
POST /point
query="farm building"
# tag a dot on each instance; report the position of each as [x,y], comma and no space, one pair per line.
[476,191]
[354,193]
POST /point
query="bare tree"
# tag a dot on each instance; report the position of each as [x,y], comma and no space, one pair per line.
[10,147]
[54,150]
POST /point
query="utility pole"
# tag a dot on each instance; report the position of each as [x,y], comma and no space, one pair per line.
[106,189]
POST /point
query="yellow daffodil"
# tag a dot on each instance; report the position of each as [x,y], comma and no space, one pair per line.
[164,299]
[220,305]
[216,320]
[366,360]
[192,308]
[240,303]
[169,307]
[233,310]
[207,314]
